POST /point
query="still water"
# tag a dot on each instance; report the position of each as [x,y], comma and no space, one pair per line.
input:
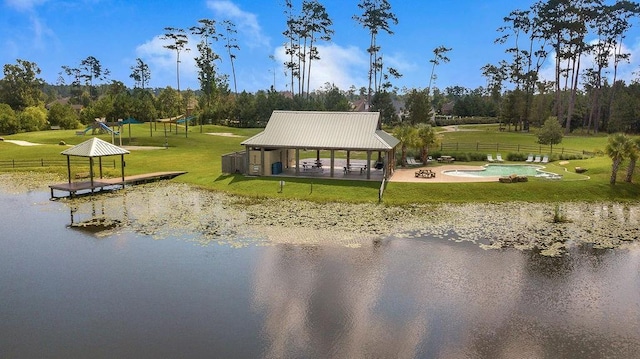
[68,293]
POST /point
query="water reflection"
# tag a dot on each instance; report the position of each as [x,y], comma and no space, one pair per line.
[438,299]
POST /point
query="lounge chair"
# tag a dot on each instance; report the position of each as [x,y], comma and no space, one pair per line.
[545,159]
[490,158]
[529,159]
[537,159]
[499,158]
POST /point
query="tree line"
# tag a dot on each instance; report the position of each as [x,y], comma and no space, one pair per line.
[515,94]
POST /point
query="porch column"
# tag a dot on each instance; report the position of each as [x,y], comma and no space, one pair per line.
[297,161]
[246,160]
[332,161]
[368,164]
[261,161]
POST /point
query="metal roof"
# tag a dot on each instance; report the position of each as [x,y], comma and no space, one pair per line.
[94,147]
[324,130]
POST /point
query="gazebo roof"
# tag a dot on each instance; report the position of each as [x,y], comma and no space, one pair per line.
[94,147]
[324,130]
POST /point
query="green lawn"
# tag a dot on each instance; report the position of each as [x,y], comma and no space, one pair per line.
[200,155]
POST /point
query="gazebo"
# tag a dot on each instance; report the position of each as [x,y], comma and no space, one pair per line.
[91,149]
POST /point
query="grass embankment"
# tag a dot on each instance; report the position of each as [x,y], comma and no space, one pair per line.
[200,155]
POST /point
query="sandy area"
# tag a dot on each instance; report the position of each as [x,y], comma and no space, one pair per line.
[142,148]
[408,175]
[23,143]
[223,134]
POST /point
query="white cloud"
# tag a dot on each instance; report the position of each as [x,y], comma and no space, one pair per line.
[625,69]
[41,33]
[246,23]
[162,64]
[341,66]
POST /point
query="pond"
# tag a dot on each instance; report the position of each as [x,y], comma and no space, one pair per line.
[492,170]
[93,290]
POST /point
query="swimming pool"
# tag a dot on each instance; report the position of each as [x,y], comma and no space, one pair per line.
[499,171]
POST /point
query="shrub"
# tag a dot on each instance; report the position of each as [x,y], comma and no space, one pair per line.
[517,156]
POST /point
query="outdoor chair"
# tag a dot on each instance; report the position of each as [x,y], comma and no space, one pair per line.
[529,159]
[489,158]
[499,158]
[545,159]
[537,160]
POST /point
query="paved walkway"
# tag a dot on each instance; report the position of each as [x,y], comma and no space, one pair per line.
[408,175]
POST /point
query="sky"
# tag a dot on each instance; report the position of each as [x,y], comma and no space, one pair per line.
[56,33]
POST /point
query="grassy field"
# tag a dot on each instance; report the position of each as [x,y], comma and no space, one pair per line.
[200,155]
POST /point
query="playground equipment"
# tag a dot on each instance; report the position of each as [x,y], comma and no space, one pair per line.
[102,127]
[178,120]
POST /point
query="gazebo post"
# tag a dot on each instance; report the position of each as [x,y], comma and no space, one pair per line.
[91,172]
[68,168]
[100,164]
[122,168]
[297,161]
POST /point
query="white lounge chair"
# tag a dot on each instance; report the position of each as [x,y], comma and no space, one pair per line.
[529,159]
[537,159]
[490,158]
[545,159]
[499,158]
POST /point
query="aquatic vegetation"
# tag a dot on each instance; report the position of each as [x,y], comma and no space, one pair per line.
[166,209]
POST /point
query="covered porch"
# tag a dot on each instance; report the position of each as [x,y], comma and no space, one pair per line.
[343,145]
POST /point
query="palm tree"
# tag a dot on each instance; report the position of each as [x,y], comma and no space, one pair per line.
[618,149]
[407,136]
[634,153]
[426,137]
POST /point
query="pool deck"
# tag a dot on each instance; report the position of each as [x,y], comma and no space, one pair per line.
[408,175]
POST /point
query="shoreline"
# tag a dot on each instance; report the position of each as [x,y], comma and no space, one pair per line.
[164,209]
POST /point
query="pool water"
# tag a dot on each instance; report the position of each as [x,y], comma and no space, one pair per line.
[498,171]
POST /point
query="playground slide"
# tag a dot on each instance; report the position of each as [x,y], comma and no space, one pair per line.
[107,128]
[84,132]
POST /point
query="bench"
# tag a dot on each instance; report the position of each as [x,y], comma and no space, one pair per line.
[447,159]
[80,175]
[348,169]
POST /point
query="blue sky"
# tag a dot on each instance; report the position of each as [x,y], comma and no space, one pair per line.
[53,33]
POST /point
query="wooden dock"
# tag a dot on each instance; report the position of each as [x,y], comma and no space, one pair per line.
[100,184]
